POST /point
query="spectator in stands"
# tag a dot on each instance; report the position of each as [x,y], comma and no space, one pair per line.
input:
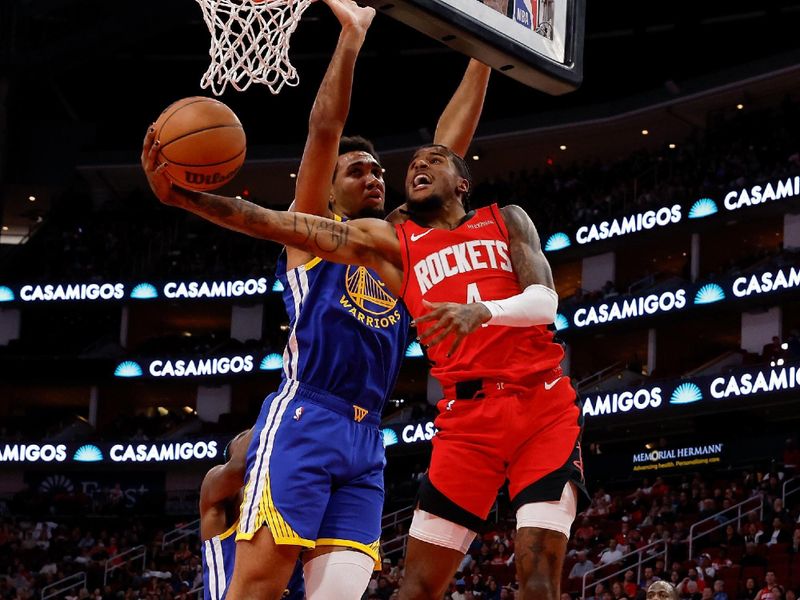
[610,555]
[719,590]
[492,591]
[674,578]
[732,538]
[629,584]
[778,510]
[688,590]
[749,591]
[751,534]
[384,590]
[617,591]
[585,532]
[580,568]
[771,590]
[648,578]
[460,593]
[779,534]
[599,590]
[794,548]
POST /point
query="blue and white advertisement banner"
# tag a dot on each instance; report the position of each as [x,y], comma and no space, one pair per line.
[705,391]
[755,382]
[106,453]
[774,190]
[142,291]
[198,366]
[684,297]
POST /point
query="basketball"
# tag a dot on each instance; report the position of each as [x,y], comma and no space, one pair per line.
[202,143]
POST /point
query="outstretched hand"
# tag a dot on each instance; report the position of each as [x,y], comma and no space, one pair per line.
[351,15]
[154,170]
[451,318]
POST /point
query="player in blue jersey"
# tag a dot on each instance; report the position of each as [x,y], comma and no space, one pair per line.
[314,478]
[220,497]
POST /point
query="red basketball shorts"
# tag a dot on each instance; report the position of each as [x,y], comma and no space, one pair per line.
[528,435]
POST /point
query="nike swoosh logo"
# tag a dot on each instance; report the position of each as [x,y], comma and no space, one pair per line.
[549,386]
[416,236]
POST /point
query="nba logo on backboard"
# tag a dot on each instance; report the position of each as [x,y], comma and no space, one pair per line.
[525,13]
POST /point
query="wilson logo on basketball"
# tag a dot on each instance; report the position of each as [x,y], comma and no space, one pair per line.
[207,178]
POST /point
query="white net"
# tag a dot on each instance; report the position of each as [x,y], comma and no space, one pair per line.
[250,43]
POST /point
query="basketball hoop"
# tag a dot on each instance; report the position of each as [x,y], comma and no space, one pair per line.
[250,43]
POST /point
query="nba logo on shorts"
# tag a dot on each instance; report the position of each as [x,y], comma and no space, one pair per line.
[523,13]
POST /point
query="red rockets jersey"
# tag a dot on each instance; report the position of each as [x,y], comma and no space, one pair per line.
[467,264]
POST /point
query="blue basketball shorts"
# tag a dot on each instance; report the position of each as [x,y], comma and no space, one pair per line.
[314,472]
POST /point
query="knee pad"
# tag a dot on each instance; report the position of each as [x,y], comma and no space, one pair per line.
[338,575]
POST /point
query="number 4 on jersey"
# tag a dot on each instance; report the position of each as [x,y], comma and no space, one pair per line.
[473,295]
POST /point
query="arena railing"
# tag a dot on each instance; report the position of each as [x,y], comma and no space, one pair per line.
[645,554]
[180,533]
[790,486]
[116,562]
[397,517]
[725,517]
[599,375]
[57,588]
[394,546]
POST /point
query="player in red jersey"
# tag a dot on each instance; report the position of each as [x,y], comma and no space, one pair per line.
[482,294]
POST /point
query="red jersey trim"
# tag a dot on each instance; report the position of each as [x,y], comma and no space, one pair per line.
[501,224]
[405,256]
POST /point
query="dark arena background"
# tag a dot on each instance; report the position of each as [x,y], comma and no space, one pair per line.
[137,340]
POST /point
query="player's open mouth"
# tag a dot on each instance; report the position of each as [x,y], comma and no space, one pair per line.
[421,180]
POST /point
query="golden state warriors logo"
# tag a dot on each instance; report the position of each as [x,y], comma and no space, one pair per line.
[367,299]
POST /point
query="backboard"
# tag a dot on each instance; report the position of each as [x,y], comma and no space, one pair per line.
[537,42]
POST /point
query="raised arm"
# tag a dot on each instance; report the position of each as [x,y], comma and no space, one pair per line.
[460,118]
[330,110]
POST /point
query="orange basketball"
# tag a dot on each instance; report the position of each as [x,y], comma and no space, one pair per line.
[202,142]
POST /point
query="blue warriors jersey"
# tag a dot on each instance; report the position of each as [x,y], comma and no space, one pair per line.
[348,333]
[218,556]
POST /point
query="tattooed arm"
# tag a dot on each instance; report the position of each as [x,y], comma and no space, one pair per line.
[527,257]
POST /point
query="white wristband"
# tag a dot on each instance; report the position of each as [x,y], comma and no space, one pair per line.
[536,305]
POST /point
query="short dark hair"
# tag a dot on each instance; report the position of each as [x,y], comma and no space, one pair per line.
[461,167]
[356,143]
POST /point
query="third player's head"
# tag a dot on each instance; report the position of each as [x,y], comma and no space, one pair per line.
[437,179]
[236,450]
[358,189]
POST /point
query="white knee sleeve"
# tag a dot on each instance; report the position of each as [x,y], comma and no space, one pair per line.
[338,575]
[441,532]
[556,516]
